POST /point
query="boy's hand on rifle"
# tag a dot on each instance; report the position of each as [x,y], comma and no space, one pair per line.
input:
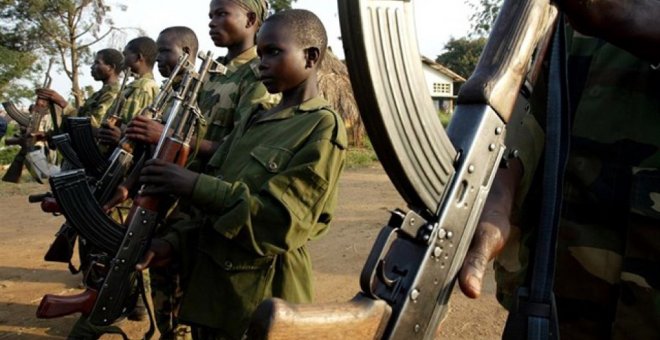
[121,195]
[492,231]
[145,130]
[52,96]
[109,134]
[162,177]
[159,255]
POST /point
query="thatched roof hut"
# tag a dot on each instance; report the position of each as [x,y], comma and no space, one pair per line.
[335,86]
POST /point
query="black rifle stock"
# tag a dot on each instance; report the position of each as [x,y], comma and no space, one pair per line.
[444,177]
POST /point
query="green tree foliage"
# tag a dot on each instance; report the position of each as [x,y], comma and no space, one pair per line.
[462,54]
[483,16]
[278,5]
[66,30]
[16,56]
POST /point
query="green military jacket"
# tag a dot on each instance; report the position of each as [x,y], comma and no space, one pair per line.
[608,248]
[224,96]
[97,104]
[269,188]
[139,94]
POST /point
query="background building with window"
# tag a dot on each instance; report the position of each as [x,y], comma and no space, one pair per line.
[442,84]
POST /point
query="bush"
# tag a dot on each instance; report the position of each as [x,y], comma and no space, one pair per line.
[445,117]
[8,153]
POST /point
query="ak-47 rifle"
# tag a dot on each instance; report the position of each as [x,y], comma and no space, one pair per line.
[124,247]
[445,178]
[121,158]
[30,133]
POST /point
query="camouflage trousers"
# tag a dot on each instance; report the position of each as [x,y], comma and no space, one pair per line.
[166,295]
[606,289]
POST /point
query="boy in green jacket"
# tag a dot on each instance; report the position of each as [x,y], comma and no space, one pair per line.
[269,188]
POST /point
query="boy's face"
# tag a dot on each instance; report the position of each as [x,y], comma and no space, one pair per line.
[284,63]
[228,22]
[168,54]
[131,59]
[100,70]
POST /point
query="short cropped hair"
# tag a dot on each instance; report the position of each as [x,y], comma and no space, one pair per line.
[112,57]
[146,47]
[185,37]
[306,28]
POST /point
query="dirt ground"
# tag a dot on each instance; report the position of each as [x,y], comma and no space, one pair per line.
[365,197]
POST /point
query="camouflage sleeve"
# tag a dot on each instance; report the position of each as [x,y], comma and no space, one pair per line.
[525,140]
[254,93]
[102,106]
[139,99]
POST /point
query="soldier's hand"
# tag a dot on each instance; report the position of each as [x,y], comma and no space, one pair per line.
[160,254]
[121,195]
[109,134]
[492,231]
[161,177]
[145,130]
[52,96]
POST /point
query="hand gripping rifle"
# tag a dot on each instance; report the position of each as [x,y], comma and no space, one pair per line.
[30,130]
[126,245]
[444,177]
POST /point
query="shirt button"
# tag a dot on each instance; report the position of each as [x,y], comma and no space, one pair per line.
[272,165]
[228,265]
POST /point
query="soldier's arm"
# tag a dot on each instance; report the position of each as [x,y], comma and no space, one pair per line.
[631,25]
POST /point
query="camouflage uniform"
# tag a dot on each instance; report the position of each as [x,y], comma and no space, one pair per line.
[139,94]
[223,97]
[608,251]
[96,105]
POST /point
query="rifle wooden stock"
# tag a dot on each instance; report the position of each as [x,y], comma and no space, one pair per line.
[505,60]
[360,318]
[55,306]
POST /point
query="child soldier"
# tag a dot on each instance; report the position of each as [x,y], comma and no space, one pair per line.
[106,68]
[233,25]
[269,188]
[166,292]
[140,56]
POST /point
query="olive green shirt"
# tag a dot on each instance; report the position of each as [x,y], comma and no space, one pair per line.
[270,187]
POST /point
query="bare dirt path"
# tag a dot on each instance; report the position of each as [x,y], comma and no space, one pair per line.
[365,197]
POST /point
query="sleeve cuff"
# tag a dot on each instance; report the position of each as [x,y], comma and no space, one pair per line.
[209,191]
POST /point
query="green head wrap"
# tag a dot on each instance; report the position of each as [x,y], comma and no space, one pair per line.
[260,7]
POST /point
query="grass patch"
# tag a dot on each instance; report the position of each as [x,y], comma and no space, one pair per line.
[360,157]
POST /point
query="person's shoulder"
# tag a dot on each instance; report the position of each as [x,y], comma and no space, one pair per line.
[328,119]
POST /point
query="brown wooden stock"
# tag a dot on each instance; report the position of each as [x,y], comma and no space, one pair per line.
[55,306]
[360,318]
[505,59]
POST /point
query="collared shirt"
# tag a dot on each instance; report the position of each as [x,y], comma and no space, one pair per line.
[269,188]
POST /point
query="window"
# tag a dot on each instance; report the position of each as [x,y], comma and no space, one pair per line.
[443,88]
